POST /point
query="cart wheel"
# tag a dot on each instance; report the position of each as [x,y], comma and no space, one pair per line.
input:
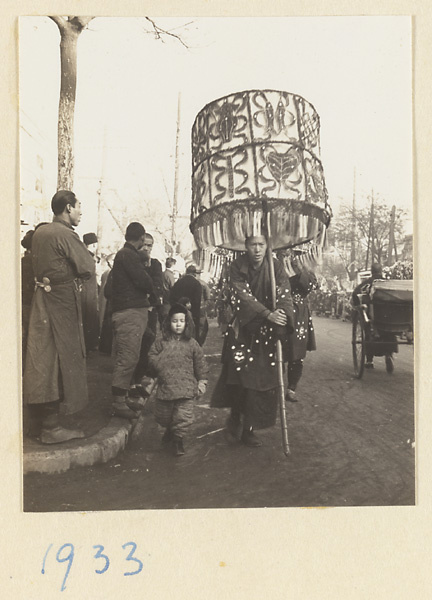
[358,345]
[389,364]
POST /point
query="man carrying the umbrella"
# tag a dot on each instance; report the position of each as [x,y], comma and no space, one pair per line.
[248,383]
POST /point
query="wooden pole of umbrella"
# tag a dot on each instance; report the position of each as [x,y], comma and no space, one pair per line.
[279,358]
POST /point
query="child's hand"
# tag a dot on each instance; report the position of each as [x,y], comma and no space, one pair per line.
[202,386]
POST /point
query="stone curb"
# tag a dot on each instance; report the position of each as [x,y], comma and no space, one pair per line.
[99,448]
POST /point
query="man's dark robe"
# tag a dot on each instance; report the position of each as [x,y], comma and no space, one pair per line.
[153,268]
[364,287]
[27,291]
[302,340]
[106,332]
[55,361]
[189,286]
[90,313]
[253,385]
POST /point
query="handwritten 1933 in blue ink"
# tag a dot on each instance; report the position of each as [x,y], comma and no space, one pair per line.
[66,554]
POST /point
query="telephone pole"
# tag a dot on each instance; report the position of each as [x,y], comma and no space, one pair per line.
[392,241]
[99,229]
[353,232]
[371,234]
[175,202]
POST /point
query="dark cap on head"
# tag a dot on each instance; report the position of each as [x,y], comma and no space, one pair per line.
[134,231]
[177,308]
[193,269]
[184,300]
[90,238]
[26,242]
[376,269]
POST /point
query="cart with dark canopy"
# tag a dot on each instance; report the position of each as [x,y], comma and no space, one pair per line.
[382,315]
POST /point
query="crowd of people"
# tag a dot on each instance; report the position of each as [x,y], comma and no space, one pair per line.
[155,326]
[331,303]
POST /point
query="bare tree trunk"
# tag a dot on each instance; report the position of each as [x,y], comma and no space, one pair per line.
[70,29]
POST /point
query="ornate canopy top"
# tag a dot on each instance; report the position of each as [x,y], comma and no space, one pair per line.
[255,146]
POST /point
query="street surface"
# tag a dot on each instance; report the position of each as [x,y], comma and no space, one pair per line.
[351,441]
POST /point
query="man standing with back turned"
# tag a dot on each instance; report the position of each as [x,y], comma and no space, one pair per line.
[55,373]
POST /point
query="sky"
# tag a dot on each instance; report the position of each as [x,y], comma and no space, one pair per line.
[356,71]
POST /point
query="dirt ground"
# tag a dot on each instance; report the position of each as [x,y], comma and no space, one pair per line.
[351,441]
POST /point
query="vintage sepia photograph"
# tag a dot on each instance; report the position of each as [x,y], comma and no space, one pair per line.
[216,246]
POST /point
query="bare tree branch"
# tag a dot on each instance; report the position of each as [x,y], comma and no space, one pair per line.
[182,26]
[159,33]
[80,22]
[60,22]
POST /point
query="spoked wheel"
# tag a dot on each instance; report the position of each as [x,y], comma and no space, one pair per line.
[389,364]
[358,345]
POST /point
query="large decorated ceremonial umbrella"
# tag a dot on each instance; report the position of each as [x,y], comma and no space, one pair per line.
[256,170]
[255,146]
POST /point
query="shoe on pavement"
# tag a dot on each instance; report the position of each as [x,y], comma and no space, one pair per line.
[167,436]
[234,427]
[369,365]
[136,404]
[138,392]
[389,364]
[178,446]
[124,412]
[58,435]
[290,396]
[250,439]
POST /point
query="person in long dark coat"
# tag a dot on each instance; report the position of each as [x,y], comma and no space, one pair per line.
[302,339]
[27,289]
[204,325]
[168,280]
[55,371]
[248,382]
[89,300]
[189,286]
[223,304]
[106,330]
[364,288]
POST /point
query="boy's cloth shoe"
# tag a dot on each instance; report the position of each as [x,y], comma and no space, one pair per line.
[58,435]
[136,404]
[290,396]
[124,412]
[250,439]
[369,365]
[138,392]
